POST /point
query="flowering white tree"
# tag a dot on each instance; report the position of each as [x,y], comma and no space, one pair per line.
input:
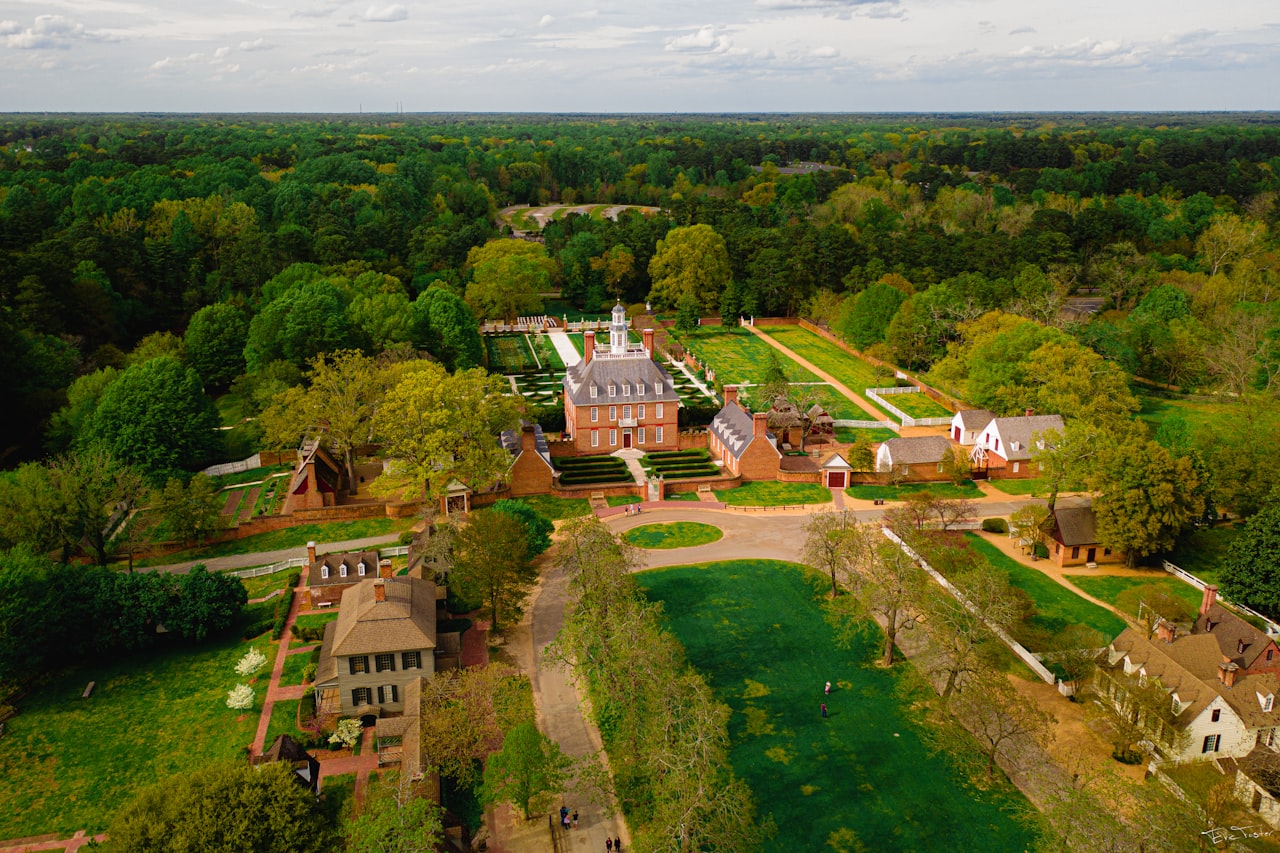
[252,661]
[240,697]
[348,732]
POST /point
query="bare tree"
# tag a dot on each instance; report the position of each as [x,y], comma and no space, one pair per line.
[889,582]
[828,546]
[1006,724]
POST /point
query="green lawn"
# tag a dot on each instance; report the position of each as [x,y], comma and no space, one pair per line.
[261,585]
[965,490]
[547,353]
[311,620]
[67,763]
[918,405]
[842,408]
[289,537]
[682,496]
[849,370]
[1032,486]
[1198,414]
[1203,550]
[556,508]
[1108,588]
[677,534]
[291,675]
[736,355]
[1056,606]
[848,435]
[621,500]
[860,780]
[284,720]
[769,493]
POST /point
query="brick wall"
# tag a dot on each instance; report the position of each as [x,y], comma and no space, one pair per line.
[799,476]
[759,461]
[677,487]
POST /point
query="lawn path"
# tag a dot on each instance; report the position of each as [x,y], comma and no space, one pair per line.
[274,691]
[684,368]
[568,352]
[845,390]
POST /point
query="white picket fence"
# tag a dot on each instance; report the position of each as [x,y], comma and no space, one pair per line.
[254,461]
[878,395]
[1273,629]
[867,424]
[299,562]
[1017,648]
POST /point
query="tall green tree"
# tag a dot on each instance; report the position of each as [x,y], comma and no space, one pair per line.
[399,816]
[491,562]
[527,772]
[690,261]
[190,510]
[214,343]
[1146,496]
[1251,572]
[538,528]
[444,325]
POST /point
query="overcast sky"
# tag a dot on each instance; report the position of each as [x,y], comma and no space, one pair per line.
[638,55]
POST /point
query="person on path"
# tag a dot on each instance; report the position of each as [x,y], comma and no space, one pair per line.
[828,690]
[617,845]
[575,818]
[608,845]
[824,710]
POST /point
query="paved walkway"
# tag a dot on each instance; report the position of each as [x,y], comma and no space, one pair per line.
[564,347]
[266,558]
[684,368]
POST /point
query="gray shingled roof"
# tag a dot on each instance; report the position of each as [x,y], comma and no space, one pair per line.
[631,370]
[510,440]
[335,561]
[405,620]
[1018,434]
[1237,639]
[917,451]
[732,425]
[1075,522]
[975,419]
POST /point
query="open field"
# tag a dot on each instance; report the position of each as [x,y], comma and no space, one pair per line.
[1203,550]
[849,370]
[67,763]
[1198,414]
[770,493]
[736,355]
[919,405]
[875,435]
[859,780]
[1056,606]
[1110,588]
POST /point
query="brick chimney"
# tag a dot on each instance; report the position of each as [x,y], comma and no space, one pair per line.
[1166,631]
[759,424]
[379,590]
[730,394]
[1210,596]
[588,346]
[1030,412]
[528,437]
[1227,673]
[384,568]
[311,552]
[647,334]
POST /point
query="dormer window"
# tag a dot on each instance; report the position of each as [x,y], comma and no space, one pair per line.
[324,572]
[342,570]
[626,389]
[639,388]
[593,392]
[613,390]
[1267,702]
[1177,705]
[360,568]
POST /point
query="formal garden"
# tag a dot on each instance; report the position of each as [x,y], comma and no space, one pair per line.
[860,779]
[590,470]
[679,464]
[771,493]
[849,370]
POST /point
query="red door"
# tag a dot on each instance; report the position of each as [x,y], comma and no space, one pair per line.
[626,438]
[835,479]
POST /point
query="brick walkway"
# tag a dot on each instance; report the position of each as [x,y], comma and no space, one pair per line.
[30,845]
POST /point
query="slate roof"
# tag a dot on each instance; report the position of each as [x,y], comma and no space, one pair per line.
[335,561]
[629,370]
[1237,640]
[918,450]
[510,441]
[1074,522]
[1189,666]
[406,620]
[1017,434]
[975,419]
[732,425]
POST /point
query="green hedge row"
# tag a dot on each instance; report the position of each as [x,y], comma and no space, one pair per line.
[693,453]
[690,472]
[589,461]
[585,479]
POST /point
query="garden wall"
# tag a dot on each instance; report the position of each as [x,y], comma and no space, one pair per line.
[799,476]
[678,487]
[693,439]
[608,490]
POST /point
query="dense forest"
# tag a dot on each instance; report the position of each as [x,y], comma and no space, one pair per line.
[192,256]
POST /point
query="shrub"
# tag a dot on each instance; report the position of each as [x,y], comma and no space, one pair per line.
[348,732]
[257,628]
[309,673]
[1040,550]
[405,538]
[282,612]
[995,525]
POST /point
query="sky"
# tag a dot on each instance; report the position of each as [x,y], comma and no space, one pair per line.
[619,56]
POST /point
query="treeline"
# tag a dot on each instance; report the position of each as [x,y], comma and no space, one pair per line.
[666,734]
[53,615]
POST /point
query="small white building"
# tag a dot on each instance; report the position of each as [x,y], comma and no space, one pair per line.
[967,425]
[1004,446]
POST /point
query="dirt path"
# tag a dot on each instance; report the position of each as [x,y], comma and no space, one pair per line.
[845,390]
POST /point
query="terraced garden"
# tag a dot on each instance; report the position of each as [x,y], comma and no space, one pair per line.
[680,464]
[586,470]
[511,354]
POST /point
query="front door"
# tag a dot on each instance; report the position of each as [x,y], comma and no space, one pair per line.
[1091,556]
[835,479]
[626,438]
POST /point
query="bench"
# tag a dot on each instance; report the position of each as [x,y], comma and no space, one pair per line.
[704,488]
[88,690]
[1091,565]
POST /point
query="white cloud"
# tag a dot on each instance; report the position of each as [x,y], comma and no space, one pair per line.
[8,28]
[221,52]
[546,21]
[257,44]
[1021,30]
[47,32]
[703,40]
[385,14]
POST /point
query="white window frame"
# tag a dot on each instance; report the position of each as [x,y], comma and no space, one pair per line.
[613,390]
[657,434]
[613,414]
[626,389]
[1016,467]
[639,389]
[593,392]
[595,414]
[658,410]
[640,436]
[1211,743]
[613,438]
[595,438]
[324,572]
[416,657]
[360,568]
[342,570]
[626,412]
[640,412]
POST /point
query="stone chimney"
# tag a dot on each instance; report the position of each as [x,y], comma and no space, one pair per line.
[1227,673]
[384,569]
[379,590]
[759,424]
[1166,631]
[311,552]
[588,346]
[1210,596]
[1030,412]
[647,334]
[730,394]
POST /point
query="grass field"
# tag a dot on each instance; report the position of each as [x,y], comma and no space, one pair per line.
[261,585]
[284,719]
[1109,588]
[1032,486]
[859,780]
[682,496]
[736,355]
[965,490]
[291,675]
[1198,414]
[1056,606]
[849,370]
[67,763]
[769,493]
[556,508]
[289,537]
[677,534]
[547,352]
[918,405]
[1203,551]
[849,435]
